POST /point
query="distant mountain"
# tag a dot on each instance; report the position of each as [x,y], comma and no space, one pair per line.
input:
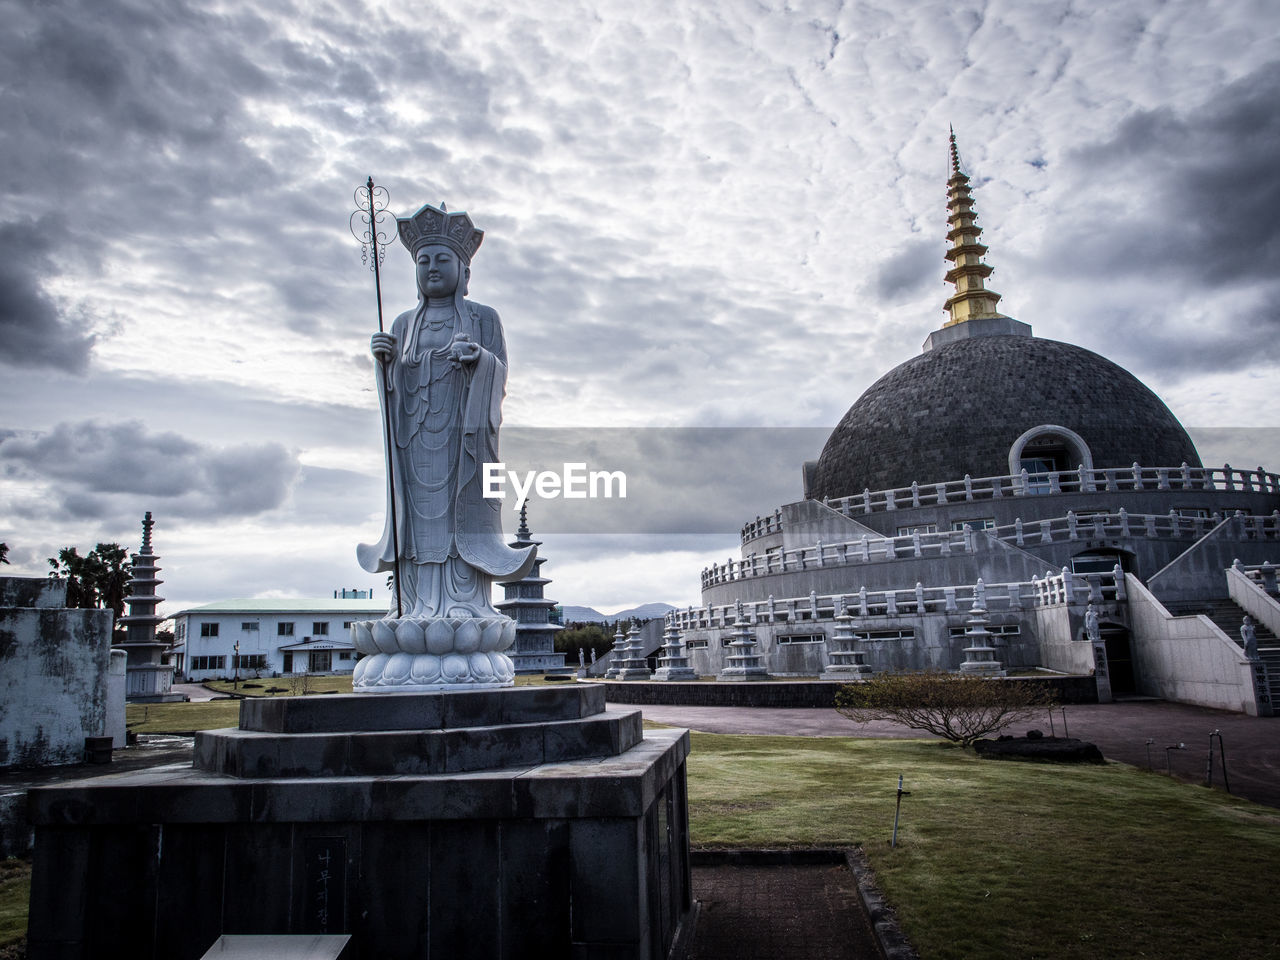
[646,611]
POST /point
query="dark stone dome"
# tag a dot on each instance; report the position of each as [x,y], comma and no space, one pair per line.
[962,406]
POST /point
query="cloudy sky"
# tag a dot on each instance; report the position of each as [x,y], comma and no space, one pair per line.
[708,214]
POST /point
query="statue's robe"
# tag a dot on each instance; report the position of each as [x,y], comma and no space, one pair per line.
[444,421]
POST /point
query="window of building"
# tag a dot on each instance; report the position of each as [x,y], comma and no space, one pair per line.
[1045,450]
[208,663]
[802,638]
[1095,561]
[180,631]
[1200,513]
[249,626]
[284,629]
[249,661]
[346,624]
[697,644]
[320,628]
[905,634]
[208,629]
[344,654]
[978,523]
[995,629]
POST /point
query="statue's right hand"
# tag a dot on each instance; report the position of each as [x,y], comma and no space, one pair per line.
[383,346]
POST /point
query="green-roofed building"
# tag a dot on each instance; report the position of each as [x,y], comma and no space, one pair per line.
[272,636]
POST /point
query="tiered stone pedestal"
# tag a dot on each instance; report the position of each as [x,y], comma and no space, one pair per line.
[743,661]
[673,666]
[489,824]
[633,665]
[846,659]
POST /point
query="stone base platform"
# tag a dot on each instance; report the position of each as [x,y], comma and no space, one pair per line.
[487,824]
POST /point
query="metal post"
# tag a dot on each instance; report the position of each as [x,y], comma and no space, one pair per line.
[1222,756]
[897,811]
[372,213]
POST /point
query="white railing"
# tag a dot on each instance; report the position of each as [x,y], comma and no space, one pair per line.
[762,526]
[868,549]
[1026,484]
[1063,587]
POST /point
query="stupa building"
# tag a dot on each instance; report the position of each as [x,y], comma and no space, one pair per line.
[1025,477]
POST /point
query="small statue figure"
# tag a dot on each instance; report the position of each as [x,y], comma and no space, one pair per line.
[582,658]
[1091,629]
[1249,635]
[593,656]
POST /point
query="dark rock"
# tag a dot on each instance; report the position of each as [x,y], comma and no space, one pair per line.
[1042,748]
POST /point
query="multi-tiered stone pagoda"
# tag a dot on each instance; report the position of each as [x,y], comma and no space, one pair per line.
[534,651]
[148,678]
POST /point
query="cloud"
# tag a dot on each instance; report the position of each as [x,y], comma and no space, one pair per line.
[1203,196]
[89,469]
[33,330]
[909,269]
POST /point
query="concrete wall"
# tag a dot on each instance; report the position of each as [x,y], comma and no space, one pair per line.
[796,694]
[1254,600]
[1061,646]
[116,682]
[931,646]
[1197,573]
[1186,659]
[54,666]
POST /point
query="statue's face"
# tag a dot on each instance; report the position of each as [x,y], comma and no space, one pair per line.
[439,271]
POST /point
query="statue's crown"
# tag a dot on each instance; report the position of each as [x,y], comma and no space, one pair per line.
[438,225]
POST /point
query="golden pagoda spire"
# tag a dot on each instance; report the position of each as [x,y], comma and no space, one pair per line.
[972,300]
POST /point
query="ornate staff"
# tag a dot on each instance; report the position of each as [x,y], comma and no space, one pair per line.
[375,226]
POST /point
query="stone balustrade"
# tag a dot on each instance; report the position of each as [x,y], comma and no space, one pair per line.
[1023,484]
[1053,588]
[1097,526]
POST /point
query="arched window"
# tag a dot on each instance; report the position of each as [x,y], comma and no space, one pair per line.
[1048,449]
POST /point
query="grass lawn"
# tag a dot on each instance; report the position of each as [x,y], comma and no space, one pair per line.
[15,891]
[1005,859]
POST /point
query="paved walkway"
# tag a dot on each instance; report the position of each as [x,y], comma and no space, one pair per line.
[197,692]
[780,913]
[1121,731]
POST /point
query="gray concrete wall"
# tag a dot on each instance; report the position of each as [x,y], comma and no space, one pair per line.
[1254,600]
[1197,573]
[992,560]
[1004,510]
[1186,659]
[54,666]
[932,646]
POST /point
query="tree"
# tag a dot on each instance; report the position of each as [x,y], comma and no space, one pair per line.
[4,553]
[68,565]
[112,571]
[99,578]
[954,706]
[588,636]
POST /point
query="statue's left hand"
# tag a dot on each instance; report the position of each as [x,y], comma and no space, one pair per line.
[463,351]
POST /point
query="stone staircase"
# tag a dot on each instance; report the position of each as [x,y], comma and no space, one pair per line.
[1229,615]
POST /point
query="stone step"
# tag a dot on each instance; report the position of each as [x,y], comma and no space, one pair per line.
[263,755]
[346,713]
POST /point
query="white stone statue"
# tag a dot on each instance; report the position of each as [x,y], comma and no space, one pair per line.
[442,373]
[1092,630]
[1249,636]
